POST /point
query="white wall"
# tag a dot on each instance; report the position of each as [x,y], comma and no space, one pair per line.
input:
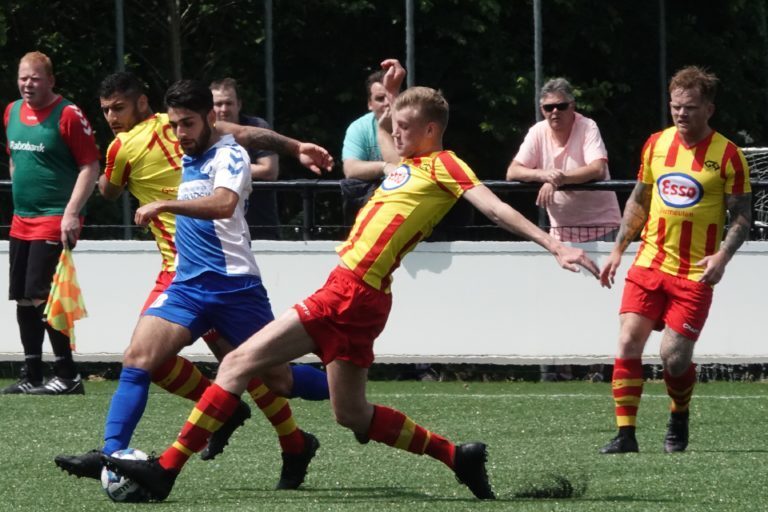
[494,302]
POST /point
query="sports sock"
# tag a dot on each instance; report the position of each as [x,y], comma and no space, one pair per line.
[32,333]
[210,412]
[680,389]
[309,383]
[627,385]
[395,429]
[125,409]
[278,412]
[181,377]
[62,348]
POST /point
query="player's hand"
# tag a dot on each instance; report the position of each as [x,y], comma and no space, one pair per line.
[315,158]
[608,273]
[393,76]
[385,121]
[571,258]
[714,267]
[70,230]
[546,195]
[146,213]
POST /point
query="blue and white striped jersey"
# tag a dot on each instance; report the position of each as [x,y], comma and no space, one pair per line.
[222,246]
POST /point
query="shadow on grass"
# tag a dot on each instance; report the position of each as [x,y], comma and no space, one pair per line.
[341,495]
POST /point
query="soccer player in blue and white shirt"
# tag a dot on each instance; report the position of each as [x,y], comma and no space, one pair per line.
[217,283]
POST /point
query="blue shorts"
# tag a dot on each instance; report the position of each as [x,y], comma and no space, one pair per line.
[236,306]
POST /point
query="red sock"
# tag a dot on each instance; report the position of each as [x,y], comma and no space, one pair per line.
[214,408]
[627,384]
[278,412]
[180,377]
[395,429]
[680,389]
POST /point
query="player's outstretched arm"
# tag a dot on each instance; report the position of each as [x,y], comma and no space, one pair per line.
[502,214]
[311,156]
[635,215]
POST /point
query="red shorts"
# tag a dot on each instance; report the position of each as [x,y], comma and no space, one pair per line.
[344,317]
[679,303]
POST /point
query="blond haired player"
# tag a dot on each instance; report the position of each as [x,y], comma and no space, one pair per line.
[340,321]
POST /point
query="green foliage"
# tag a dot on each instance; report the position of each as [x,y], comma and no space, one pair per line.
[479,53]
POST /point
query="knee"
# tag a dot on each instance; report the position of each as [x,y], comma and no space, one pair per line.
[134,357]
[675,364]
[352,420]
[279,380]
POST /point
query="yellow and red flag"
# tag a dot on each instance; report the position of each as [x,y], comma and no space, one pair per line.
[65,302]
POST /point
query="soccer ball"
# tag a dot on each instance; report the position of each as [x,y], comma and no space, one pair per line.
[119,488]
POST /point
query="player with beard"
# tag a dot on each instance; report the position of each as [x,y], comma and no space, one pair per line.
[145,157]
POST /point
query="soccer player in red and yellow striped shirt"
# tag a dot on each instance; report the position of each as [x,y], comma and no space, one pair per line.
[689,176]
[340,321]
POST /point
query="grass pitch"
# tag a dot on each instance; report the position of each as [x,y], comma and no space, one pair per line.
[534,432]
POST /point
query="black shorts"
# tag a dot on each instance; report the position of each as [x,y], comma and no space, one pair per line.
[33,263]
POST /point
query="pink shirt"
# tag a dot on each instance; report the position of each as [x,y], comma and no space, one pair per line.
[574,208]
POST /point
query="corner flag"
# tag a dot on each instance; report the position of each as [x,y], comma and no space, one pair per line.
[65,302]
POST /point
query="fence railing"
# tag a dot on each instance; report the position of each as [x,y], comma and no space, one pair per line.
[307,221]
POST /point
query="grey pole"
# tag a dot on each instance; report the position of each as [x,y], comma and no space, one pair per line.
[269,70]
[537,58]
[537,80]
[125,200]
[410,48]
[662,64]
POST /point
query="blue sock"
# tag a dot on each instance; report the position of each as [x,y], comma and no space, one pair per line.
[309,383]
[126,408]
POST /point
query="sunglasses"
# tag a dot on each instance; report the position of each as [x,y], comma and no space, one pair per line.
[549,107]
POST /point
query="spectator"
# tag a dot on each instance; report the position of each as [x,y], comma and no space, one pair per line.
[361,157]
[565,149]
[54,164]
[262,215]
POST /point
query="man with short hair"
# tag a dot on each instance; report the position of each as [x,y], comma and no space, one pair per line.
[340,321]
[146,158]
[54,163]
[689,176]
[261,215]
[566,149]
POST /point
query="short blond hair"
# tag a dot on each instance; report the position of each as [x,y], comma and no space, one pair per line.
[430,103]
[39,58]
[694,77]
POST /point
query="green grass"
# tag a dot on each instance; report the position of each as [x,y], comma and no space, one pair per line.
[532,431]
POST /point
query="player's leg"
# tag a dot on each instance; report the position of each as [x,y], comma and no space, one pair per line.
[393,428]
[680,379]
[627,380]
[160,333]
[685,317]
[176,375]
[30,292]
[155,339]
[43,259]
[280,341]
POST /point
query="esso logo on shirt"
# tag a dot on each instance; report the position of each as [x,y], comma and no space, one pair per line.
[679,190]
[397,178]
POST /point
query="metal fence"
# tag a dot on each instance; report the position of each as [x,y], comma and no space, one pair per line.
[312,210]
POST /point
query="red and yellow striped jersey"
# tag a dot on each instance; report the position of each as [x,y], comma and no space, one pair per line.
[147,160]
[687,213]
[403,210]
